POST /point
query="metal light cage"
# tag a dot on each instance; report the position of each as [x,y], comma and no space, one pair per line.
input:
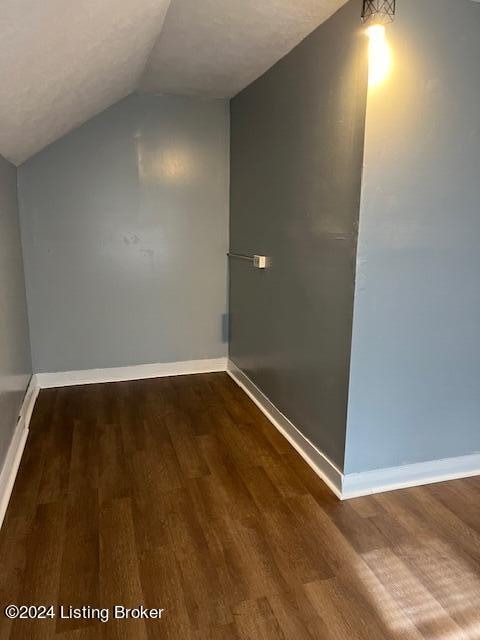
[378,11]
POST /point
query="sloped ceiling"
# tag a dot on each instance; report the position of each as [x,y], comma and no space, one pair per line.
[217,47]
[62,62]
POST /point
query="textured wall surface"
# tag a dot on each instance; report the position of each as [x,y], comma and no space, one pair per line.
[296,156]
[125,229]
[415,377]
[15,362]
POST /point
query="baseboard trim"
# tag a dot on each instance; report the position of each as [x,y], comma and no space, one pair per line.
[136,372]
[411,475]
[318,461]
[17,445]
[344,486]
[355,485]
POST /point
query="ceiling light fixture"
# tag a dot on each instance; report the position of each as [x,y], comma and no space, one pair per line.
[375,15]
[377,12]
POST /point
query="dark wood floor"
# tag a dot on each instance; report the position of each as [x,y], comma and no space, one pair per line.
[178,494]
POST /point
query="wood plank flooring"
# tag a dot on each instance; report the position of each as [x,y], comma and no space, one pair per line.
[178,494]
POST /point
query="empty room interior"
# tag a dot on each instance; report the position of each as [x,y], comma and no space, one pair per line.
[240,320]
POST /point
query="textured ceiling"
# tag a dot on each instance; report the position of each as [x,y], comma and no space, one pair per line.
[217,47]
[63,61]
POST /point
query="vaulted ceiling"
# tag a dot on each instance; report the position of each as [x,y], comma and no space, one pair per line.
[62,62]
[217,47]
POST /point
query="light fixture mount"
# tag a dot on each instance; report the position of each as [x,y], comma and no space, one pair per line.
[378,11]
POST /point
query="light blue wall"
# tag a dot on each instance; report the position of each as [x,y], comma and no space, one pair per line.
[125,229]
[415,366]
[15,361]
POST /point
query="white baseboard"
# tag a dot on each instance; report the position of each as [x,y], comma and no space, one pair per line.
[410,475]
[344,486]
[17,445]
[318,461]
[136,372]
[353,485]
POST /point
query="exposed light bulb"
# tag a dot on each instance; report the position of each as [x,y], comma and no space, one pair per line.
[379,55]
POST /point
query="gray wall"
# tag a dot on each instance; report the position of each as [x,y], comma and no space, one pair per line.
[415,378]
[15,363]
[125,230]
[296,154]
